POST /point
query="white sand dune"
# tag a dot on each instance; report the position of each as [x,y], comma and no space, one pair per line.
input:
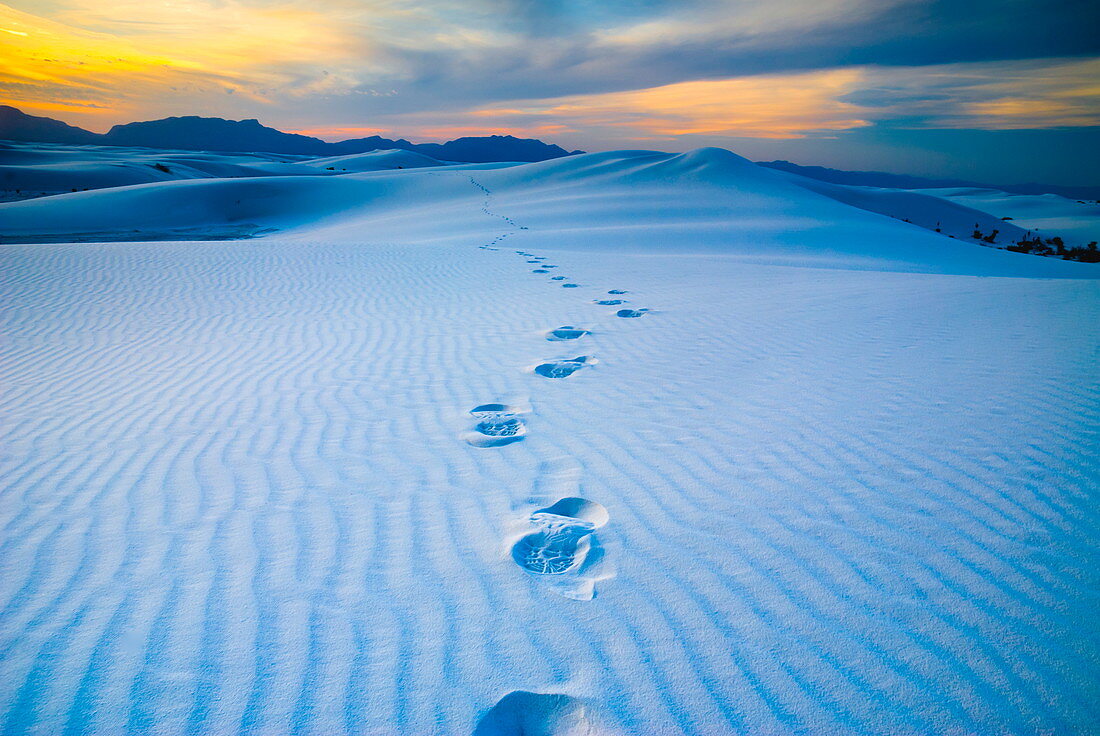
[832,474]
[923,208]
[31,170]
[1077,222]
[38,169]
[374,161]
[960,211]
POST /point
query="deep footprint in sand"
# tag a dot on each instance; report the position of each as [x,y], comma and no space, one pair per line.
[563,368]
[630,313]
[561,549]
[566,332]
[609,302]
[617,291]
[557,278]
[496,425]
[569,286]
[522,713]
[539,270]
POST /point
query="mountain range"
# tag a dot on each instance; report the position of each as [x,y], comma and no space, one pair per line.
[192,133]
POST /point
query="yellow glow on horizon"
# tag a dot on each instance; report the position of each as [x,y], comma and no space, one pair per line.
[49,65]
[340,132]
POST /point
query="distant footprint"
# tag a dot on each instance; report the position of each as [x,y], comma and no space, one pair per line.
[617,291]
[563,368]
[539,270]
[496,425]
[610,302]
[522,713]
[630,313]
[557,278]
[566,332]
[569,286]
[561,549]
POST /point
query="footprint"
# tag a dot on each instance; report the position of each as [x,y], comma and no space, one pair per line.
[569,286]
[496,425]
[560,547]
[557,278]
[610,302]
[566,332]
[563,368]
[539,270]
[628,313]
[522,713]
[617,291]
[533,260]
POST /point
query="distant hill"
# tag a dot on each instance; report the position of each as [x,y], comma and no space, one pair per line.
[15,125]
[493,148]
[903,181]
[372,143]
[193,133]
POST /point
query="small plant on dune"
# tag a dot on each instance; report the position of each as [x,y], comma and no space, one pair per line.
[1055,247]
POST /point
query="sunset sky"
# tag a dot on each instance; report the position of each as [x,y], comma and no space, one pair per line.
[1003,91]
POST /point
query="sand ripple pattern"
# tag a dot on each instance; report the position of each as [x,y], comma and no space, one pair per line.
[232,499]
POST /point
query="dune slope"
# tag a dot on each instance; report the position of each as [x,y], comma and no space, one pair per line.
[617,444]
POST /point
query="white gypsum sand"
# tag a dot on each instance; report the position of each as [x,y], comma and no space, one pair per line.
[838,477]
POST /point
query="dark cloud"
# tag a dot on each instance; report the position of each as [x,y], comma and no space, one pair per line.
[558,49]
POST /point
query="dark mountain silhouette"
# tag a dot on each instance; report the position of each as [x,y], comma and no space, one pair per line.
[192,133]
[904,181]
[493,148]
[16,125]
[373,143]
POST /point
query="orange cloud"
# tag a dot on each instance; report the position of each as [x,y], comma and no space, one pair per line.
[455,131]
[1057,95]
[774,106]
[339,133]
